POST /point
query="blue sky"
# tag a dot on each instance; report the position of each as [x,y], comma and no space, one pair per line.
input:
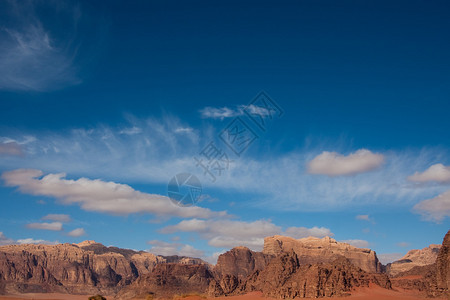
[101,104]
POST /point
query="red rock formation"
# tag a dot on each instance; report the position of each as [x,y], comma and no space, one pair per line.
[285,277]
[314,250]
[240,262]
[443,267]
[86,267]
[169,279]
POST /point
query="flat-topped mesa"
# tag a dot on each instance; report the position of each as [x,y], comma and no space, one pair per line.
[312,250]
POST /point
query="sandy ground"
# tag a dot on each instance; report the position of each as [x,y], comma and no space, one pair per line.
[371,293]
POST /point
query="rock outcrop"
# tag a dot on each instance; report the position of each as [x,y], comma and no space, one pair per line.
[286,277]
[414,258]
[443,267]
[87,267]
[169,279]
[240,262]
[315,250]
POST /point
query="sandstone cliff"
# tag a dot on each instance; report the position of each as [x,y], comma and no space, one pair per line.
[240,262]
[314,250]
[414,258]
[87,267]
[169,279]
[285,277]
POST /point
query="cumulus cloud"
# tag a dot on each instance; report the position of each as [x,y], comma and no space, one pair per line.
[77,232]
[357,243]
[54,226]
[232,233]
[57,218]
[335,164]
[437,172]
[435,209]
[180,249]
[31,57]
[98,195]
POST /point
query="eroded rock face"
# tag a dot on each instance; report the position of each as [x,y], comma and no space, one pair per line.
[414,258]
[315,250]
[285,277]
[87,267]
[240,262]
[169,279]
[443,267]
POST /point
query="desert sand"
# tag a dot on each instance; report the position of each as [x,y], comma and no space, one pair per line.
[371,293]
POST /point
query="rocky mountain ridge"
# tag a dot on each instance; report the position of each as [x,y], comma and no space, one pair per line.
[286,268]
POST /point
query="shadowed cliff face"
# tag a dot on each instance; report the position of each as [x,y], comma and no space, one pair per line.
[443,266]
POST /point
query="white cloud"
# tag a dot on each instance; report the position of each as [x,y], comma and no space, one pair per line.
[57,218]
[386,258]
[437,172]
[98,195]
[220,112]
[167,249]
[231,233]
[77,232]
[357,243]
[31,57]
[11,148]
[33,241]
[335,164]
[157,154]
[131,131]
[364,218]
[435,209]
[7,241]
[183,130]
[54,226]
[302,232]
[4,240]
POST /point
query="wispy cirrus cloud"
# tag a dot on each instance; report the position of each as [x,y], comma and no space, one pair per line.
[221,112]
[31,56]
[162,150]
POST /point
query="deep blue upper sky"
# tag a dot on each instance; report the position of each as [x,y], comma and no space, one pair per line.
[77,77]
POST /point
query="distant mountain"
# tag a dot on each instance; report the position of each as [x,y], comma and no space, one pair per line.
[414,258]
